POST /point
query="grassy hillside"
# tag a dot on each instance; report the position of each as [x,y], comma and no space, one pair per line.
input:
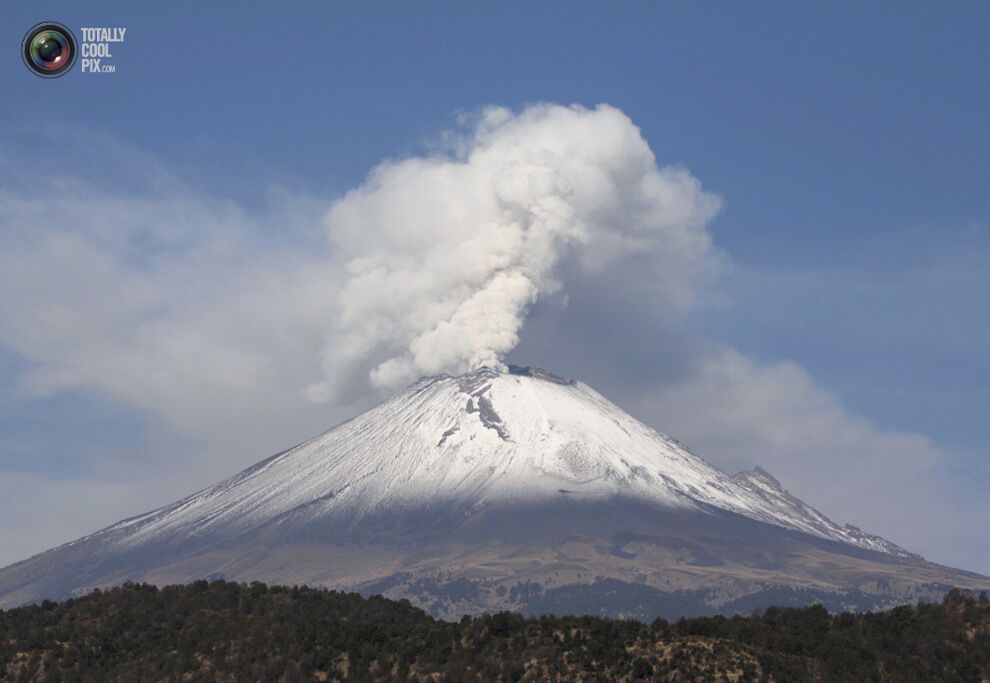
[226,631]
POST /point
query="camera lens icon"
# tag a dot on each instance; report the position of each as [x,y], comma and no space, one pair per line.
[49,49]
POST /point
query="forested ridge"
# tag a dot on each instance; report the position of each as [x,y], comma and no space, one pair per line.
[235,632]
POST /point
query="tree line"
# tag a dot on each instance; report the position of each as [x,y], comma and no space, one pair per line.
[224,631]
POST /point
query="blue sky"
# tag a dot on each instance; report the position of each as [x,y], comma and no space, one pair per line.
[847,143]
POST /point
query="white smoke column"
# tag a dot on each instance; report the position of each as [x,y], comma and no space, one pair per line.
[444,255]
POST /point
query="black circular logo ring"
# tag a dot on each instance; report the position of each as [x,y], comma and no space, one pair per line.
[49,49]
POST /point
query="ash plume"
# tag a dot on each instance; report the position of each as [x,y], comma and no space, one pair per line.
[444,255]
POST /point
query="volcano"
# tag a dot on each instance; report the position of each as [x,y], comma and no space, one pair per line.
[514,490]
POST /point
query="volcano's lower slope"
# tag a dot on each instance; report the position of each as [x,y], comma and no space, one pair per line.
[496,491]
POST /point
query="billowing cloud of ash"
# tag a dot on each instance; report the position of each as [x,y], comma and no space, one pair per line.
[445,254]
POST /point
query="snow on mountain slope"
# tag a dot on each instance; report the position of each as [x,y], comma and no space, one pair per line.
[470,441]
[760,482]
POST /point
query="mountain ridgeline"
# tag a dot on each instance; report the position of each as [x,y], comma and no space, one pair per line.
[493,491]
[230,632]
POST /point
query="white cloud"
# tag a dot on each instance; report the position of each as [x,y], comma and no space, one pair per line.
[738,413]
[169,301]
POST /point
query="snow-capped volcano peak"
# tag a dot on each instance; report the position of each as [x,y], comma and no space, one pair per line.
[455,445]
[495,490]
